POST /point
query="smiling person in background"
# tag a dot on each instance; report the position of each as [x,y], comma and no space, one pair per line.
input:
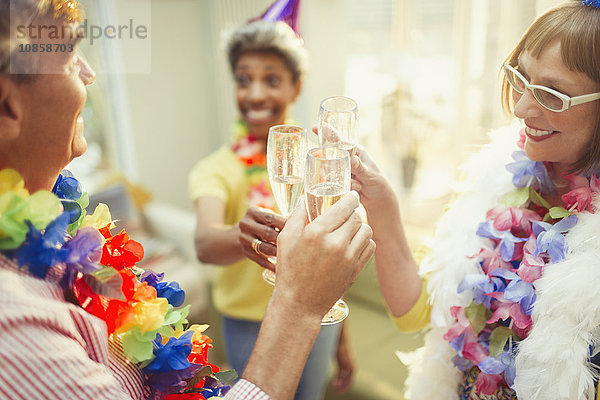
[231,191]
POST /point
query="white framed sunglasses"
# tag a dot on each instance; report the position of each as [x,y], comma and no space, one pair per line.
[548,98]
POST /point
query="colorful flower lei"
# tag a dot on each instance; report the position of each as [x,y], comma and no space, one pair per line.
[522,236]
[250,153]
[141,311]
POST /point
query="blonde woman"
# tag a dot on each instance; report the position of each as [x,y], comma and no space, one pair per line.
[509,291]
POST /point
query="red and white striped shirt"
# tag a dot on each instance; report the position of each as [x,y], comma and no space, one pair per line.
[52,349]
[246,390]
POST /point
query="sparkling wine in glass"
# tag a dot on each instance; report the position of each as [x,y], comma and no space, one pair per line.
[286,150]
[338,123]
[327,180]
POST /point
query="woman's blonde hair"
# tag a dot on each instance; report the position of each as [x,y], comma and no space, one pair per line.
[577,27]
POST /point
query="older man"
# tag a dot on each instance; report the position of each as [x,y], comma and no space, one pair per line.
[51,348]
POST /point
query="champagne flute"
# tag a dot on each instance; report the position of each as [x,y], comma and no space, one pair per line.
[327,181]
[286,149]
[338,123]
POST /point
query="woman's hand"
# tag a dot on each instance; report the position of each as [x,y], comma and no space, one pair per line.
[367,180]
[345,363]
[262,227]
[397,270]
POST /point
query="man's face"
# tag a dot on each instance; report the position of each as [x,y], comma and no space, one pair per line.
[52,125]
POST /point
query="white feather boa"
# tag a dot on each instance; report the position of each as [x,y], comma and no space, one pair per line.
[552,363]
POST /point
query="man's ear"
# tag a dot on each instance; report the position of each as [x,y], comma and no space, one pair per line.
[10,108]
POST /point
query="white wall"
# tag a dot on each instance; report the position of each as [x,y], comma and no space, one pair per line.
[171,108]
[183,110]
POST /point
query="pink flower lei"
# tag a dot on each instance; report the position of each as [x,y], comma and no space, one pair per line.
[521,236]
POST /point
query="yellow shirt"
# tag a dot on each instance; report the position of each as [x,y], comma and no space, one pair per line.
[239,290]
[418,316]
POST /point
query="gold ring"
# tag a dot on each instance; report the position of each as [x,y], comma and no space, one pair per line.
[256,245]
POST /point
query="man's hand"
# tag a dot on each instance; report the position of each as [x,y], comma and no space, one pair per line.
[345,362]
[264,225]
[318,262]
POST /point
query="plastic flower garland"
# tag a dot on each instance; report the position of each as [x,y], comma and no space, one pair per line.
[141,311]
[250,153]
[523,235]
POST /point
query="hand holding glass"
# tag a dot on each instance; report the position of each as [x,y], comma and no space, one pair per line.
[338,123]
[327,181]
[286,150]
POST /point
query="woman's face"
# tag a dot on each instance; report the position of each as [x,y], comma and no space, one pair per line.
[559,137]
[264,90]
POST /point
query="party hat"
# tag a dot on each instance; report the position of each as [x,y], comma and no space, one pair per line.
[282,10]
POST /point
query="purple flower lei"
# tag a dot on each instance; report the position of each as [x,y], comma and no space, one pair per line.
[521,237]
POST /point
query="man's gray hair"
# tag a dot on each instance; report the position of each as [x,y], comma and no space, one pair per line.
[12,14]
[276,37]
[24,66]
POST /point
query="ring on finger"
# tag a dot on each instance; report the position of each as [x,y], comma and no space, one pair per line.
[256,245]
